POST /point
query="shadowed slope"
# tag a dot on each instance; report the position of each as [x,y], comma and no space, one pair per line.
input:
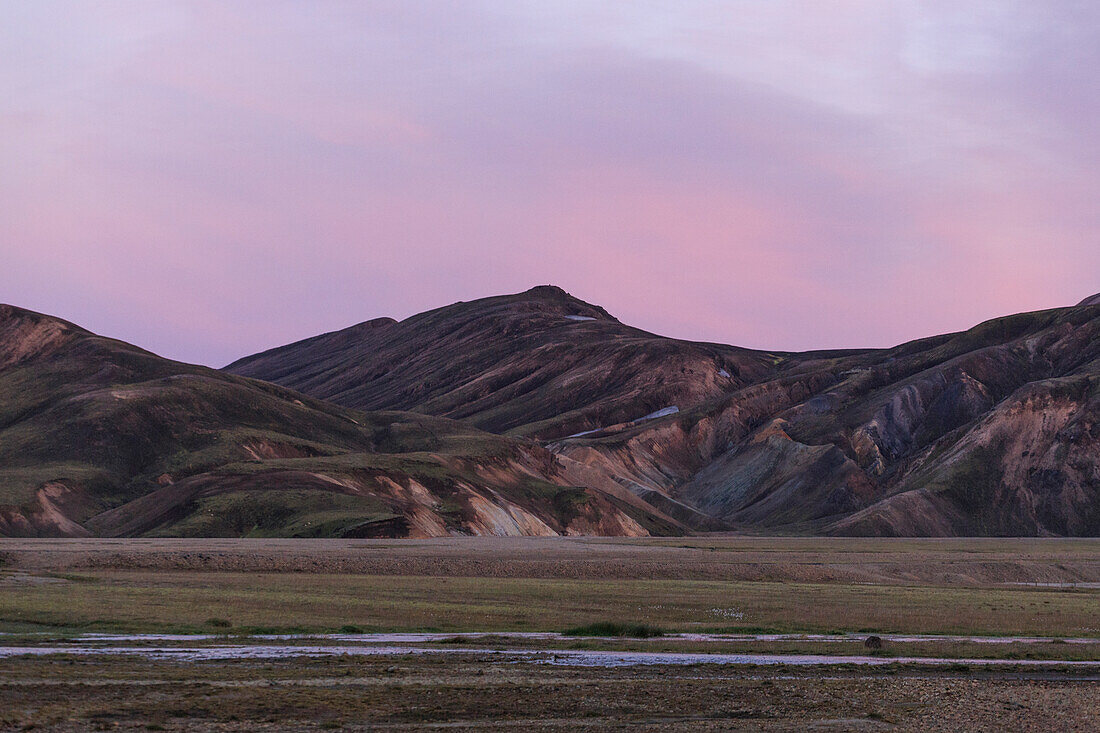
[97,436]
[992,431]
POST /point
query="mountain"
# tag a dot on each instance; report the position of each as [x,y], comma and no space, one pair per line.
[987,432]
[991,431]
[98,437]
[538,413]
[1091,300]
[542,364]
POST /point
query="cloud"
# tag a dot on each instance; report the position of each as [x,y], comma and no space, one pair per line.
[210,180]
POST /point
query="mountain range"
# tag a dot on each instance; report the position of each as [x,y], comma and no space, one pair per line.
[538,413]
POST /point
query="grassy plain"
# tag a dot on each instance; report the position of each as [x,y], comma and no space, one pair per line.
[150,601]
[698,584]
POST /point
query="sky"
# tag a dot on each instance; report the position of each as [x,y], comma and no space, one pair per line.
[210,179]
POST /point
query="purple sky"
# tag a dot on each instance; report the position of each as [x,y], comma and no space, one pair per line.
[211,179]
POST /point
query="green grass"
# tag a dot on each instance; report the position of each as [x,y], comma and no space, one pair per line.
[148,601]
[278,513]
[612,628]
[19,484]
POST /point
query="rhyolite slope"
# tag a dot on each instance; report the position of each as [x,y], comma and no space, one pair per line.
[98,437]
[991,431]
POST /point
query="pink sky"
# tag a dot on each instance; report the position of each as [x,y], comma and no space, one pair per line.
[211,179]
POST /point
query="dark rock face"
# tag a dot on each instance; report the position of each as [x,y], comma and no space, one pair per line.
[990,431]
[99,437]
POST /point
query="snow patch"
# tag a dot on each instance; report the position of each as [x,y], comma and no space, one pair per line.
[672,410]
[580,318]
[663,412]
[723,373]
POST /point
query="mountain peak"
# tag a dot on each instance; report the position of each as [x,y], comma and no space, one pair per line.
[1091,300]
[547,291]
[25,334]
[560,300]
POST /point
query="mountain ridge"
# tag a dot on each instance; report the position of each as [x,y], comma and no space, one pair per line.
[538,413]
[519,355]
[812,441]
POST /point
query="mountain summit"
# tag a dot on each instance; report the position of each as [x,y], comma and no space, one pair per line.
[541,363]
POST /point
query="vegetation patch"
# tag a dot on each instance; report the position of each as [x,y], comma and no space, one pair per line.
[612,628]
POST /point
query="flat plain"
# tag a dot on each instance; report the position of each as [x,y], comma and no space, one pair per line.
[952,586]
[708,594]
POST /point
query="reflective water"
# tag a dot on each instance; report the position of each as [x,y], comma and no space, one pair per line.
[565,657]
[429,637]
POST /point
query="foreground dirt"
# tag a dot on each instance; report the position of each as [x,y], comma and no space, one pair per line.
[478,692]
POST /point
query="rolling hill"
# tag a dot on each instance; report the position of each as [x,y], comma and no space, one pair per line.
[98,437]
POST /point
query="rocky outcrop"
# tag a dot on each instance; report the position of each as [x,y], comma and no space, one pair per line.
[1028,467]
[25,335]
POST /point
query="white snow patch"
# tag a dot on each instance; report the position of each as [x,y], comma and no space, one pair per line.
[660,413]
[723,373]
[663,412]
[580,318]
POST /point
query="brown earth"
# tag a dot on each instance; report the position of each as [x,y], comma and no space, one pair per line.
[476,692]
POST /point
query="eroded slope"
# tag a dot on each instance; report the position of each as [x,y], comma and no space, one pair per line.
[987,431]
[100,437]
